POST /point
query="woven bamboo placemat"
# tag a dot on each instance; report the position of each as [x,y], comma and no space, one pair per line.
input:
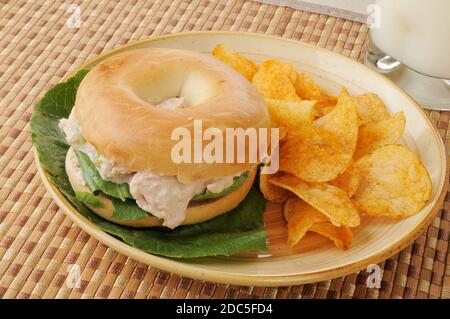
[38,242]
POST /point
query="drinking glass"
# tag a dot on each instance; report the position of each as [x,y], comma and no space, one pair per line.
[409,42]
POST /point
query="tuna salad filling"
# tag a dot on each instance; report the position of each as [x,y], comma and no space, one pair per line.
[164,197]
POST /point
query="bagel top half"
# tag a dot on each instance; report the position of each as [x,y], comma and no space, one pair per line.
[116,106]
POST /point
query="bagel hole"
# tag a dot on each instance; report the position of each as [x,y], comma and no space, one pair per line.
[198,88]
[172,103]
[159,86]
[173,87]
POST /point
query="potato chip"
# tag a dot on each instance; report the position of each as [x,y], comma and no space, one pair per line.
[291,114]
[283,134]
[271,192]
[371,108]
[376,134]
[297,228]
[322,108]
[342,237]
[289,207]
[307,89]
[342,121]
[328,199]
[234,59]
[275,80]
[301,220]
[286,68]
[295,204]
[393,183]
[302,217]
[321,153]
[348,181]
[314,155]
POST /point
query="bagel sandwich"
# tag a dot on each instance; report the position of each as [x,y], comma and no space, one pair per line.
[121,135]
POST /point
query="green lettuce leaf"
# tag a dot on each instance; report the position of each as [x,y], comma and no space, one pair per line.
[128,210]
[47,138]
[88,198]
[238,181]
[96,183]
[238,230]
[59,100]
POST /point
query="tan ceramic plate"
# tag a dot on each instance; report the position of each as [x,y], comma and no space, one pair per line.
[315,259]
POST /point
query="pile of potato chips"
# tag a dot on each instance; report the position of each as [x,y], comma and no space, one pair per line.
[339,156]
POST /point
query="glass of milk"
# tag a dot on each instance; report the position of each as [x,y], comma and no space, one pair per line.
[409,41]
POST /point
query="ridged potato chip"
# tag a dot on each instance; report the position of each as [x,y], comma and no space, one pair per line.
[348,181]
[275,80]
[371,108]
[271,192]
[342,237]
[394,183]
[376,134]
[307,89]
[237,61]
[328,199]
[314,154]
[302,218]
[291,114]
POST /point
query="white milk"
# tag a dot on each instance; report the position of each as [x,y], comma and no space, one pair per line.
[416,33]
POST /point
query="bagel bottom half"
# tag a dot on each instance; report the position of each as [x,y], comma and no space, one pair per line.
[197,211]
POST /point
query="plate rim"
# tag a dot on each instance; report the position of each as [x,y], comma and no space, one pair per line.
[194,271]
